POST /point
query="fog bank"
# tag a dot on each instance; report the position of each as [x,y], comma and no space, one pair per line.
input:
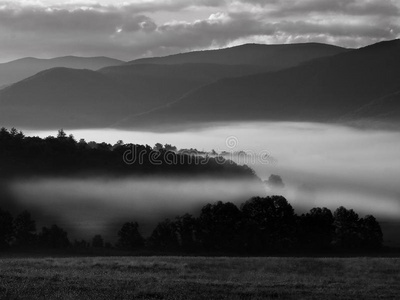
[100,206]
[321,164]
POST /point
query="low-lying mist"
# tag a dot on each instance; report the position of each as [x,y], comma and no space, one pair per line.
[321,165]
[86,207]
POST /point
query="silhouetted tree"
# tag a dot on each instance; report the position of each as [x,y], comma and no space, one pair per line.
[6,228]
[275,181]
[61,134]
[219,226]
[53,237]
[347,230]
[316,229]
[97,241]
[24,230]
[164,236]
[178,234]
[269,224]
[158,147]
[81,244]
[186,228]
[169,147]
[371,233]
[129,237]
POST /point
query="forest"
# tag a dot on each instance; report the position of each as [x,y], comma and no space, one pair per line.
[22,156]
[261,226]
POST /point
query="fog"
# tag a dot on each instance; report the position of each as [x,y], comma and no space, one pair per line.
[321,165]
[86,207]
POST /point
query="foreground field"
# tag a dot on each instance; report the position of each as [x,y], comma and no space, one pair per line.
[199,278]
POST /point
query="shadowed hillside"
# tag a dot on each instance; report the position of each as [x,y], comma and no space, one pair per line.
[271,57]
[80,98]
[321,90]
[63,96]
[20,69]
[383,109]
[151,85]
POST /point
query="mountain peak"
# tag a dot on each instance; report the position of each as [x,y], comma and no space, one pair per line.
[20,69]
[287,55]
[392,44]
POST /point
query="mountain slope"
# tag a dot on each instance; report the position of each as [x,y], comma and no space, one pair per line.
[380,113]
[321,90]
[20,69]
[156,85]
[387,107]
[62,98]
[88,98]
[65,97]
[271,57]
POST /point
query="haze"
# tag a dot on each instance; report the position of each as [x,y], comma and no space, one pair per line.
[321,165]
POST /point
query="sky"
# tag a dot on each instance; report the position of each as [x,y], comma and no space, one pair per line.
[133,29]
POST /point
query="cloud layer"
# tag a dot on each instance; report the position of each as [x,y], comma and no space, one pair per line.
[136,29]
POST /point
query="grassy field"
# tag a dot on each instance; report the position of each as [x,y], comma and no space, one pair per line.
[199,278]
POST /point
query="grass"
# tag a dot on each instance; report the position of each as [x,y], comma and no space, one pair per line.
[199,278]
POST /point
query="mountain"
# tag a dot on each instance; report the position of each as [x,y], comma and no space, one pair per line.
[387,107]
[271,57]
[151,86]
[380,113]
[321,90]
[20,69]
[62,98]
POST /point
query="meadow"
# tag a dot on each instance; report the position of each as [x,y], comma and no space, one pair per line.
[199,278]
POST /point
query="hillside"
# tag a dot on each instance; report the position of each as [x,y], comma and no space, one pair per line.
[382,113]
[386,107]
[321,90]
[65,98]
[271,57]
[20,69]
[151,85]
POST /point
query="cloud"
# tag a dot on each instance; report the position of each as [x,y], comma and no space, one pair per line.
[135,29]
[346,7]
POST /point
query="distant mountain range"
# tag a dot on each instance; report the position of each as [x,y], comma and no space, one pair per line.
[20,69]
[358,83]
[298,82]
[271,57]
[61,97]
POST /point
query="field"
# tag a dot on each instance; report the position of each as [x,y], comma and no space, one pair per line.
[199,278]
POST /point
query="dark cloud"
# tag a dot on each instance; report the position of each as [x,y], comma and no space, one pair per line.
[63,20]
[338,29]
[346,7]
[132,30]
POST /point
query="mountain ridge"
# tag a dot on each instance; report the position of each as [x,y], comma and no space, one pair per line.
[320,90]
[19,69]
[138,88]
[275,56]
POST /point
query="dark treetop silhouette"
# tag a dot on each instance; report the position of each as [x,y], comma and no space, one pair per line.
[62,155]
[262,226]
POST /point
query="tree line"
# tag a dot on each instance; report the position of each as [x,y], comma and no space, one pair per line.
[62,155]
[260,226]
